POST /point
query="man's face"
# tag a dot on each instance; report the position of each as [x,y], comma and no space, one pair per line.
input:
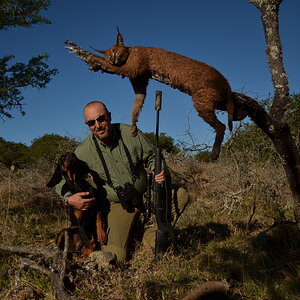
[98,119]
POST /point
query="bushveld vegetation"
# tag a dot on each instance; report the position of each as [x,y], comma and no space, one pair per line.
[239,227]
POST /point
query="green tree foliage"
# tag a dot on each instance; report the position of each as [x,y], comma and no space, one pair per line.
[23,13]
[13,154]
[251,138]
[204,156]
[294,118]
[35,73]
[165,142]
[47,148]
[50,147]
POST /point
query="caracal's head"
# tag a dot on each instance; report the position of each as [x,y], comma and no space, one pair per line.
[118,54]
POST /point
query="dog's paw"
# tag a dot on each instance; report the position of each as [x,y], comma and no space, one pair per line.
[102,238]
[87,251]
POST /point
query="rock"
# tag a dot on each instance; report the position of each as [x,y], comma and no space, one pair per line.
[100,259]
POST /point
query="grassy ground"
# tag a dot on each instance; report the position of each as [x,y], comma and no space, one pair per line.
[221,236]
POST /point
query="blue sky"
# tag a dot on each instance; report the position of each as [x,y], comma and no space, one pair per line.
[227,35]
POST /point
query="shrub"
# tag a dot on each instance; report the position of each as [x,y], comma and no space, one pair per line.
[165,142]
[251,138]
[13,154]
[50,147]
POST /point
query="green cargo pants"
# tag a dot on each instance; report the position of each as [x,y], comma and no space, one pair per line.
[120,224]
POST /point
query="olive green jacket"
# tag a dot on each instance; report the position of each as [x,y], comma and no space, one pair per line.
[141,153]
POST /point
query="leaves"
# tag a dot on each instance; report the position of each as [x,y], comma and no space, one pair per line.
[22,13]
[13,78]
[165,142]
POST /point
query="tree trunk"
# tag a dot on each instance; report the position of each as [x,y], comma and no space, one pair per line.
[277,128]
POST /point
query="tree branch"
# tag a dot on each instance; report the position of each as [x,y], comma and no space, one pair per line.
[269,15]
[56,271]
[47,252]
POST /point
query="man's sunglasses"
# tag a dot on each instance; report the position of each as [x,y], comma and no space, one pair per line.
[100,119]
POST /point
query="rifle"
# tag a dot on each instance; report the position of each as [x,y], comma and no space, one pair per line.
[161,200]
[147,195]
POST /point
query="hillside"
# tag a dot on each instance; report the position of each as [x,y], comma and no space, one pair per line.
[233,230]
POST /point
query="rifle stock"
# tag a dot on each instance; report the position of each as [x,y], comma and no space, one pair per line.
[147,196]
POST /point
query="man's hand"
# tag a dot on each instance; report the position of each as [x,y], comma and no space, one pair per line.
[160,177]
[79,202]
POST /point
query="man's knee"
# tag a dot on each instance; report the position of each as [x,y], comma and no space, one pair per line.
[181,199]
[120,253]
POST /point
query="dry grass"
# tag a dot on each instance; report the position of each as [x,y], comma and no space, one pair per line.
[233,201]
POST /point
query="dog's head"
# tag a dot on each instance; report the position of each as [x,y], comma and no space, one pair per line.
[69,167]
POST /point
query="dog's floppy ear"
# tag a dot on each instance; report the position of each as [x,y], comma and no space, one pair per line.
[83,167]
[56,177]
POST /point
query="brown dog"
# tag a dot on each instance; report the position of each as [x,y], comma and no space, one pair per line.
[209,89]
[87,227]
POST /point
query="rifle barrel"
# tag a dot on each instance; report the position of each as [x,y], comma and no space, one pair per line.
[158,96]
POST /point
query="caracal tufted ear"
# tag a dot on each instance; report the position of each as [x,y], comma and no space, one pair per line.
[120,41]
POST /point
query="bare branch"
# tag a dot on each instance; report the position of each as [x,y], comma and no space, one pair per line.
[25,262]
[47,252]
[56,271]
